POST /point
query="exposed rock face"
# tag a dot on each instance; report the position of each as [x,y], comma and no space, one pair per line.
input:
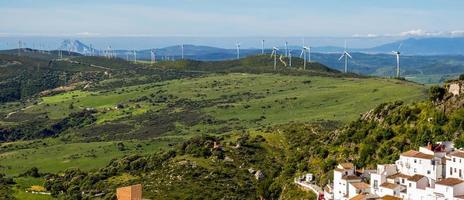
[378,114]
[456,88]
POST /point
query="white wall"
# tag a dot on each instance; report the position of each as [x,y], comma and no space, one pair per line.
[457,166]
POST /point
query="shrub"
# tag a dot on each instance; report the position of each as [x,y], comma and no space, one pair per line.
[436,93]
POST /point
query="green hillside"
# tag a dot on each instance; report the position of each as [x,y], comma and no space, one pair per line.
[114,109]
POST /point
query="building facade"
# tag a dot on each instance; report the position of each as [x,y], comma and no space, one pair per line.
[435,172]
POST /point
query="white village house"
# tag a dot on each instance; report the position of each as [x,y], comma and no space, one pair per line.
[435,172]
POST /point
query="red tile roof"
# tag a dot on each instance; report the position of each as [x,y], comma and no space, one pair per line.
[389,185]
[360,185]
[416,178]
[457,154]
[449,181]
[398,175]
[416,154]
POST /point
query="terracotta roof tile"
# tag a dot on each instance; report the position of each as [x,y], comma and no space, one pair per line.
[389,197]
[360,185]
[351,177]
[416,177]
[359,197]
[347,165]
[416,154]
[457,154]
[398,175]
[449,181]
[389,185]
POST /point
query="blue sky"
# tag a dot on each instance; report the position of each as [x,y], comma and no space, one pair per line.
[238,18]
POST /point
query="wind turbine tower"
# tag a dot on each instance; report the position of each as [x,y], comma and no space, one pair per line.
[153,56]
[290,58]
[238,50]
[262,47]
[303,54]
[182,48]
[274,53]
[347,56]
[135,56]
[398,53]
[286,49]
[20,46]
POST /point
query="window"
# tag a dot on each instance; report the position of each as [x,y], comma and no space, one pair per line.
[428,171]
[454,159]
[410,185]
[402,181]
[415,170]
[420,161]
[451,171]
[460,173]
[455,170]
[376,184]
[415,161]
[432,162]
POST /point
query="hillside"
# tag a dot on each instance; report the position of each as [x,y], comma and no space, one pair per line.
[111,109]
[262,163]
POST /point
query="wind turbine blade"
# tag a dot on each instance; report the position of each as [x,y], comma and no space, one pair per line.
[401,44]
[341,57]
[349,55]
[302,52]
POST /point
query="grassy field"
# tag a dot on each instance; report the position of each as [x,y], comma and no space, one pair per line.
[57,156]
[233,100]
[247,97]
[154,116]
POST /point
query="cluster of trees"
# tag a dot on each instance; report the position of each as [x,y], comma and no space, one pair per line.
[42,128]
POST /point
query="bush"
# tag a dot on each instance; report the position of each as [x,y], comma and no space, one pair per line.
[436,93]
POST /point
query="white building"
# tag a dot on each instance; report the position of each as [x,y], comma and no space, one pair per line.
[449,189]
[455,164]
[344,175]
[434,172]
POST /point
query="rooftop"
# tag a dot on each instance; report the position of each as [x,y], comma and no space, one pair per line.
[416,154]
[351,177]
[398,175]
[389,197]
[360,185]
[389,185]
[449,181]
[457,154]
[347,165]
[416,177]
[359,197]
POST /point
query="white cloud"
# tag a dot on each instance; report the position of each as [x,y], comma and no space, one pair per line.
[415,33]
[89,34]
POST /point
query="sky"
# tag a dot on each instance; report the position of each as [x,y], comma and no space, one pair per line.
[232,18]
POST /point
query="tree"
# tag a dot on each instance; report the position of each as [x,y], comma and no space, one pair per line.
[436,93]
[461,77]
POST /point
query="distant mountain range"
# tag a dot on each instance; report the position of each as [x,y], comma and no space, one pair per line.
[411,46]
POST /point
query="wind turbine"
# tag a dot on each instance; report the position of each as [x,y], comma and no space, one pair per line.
[286,49]
[290,58]
[303,54]
[274,53]
[182,49]
[262,47]
[345,55]
[238,50]
[398,53]
[135,56]
[153,56]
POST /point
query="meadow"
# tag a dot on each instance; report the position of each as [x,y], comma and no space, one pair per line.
[231,102]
